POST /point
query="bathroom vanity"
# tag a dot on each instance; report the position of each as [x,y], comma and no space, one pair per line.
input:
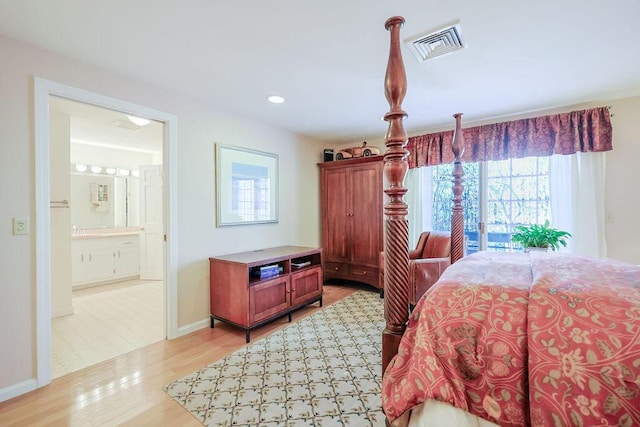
[105,255]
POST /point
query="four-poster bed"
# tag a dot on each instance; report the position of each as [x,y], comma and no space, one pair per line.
[507,338]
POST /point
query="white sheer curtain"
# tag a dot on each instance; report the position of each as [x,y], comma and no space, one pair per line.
[576,186]
[419,197]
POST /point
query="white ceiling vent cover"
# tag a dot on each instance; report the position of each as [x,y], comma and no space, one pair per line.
[437,43]
[124,124]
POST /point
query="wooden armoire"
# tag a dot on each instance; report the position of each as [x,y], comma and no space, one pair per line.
[352,216]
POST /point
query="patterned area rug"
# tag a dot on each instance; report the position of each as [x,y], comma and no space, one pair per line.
[321,371]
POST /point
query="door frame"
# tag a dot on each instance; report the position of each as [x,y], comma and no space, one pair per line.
[43,89]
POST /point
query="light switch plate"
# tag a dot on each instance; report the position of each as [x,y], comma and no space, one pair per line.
[21,225]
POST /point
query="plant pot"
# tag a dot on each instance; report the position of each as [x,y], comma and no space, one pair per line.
[534,249]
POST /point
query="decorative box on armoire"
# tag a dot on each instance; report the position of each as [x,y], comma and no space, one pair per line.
[352,218]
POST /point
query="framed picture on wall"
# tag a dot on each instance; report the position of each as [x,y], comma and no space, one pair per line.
[246,186]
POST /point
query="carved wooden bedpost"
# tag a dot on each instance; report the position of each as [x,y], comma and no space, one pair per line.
[396,242]
[457,217]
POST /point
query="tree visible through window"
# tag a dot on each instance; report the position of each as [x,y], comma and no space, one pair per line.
[443,200]
[498,194]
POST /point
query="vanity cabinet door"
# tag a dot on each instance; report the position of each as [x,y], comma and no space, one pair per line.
[127,257]
[101,260]
[79,261]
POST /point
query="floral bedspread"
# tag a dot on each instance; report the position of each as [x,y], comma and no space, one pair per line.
[524,339]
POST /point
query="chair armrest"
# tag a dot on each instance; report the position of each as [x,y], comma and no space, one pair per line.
[415,253]
[423,273]
[444,261]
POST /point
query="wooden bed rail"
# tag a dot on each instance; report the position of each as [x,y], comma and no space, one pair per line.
[396,242]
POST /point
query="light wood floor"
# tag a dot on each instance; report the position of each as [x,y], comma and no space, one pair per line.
[127,390]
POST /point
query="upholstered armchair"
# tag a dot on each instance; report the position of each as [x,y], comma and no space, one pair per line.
[427,261]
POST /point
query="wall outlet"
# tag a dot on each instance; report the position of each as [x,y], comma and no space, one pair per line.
[21,225]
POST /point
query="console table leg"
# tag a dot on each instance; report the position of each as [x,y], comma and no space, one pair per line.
[247,336]
[289,317]
[212,325]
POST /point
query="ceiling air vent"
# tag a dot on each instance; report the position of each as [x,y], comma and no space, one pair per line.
[437,43]
[125,124]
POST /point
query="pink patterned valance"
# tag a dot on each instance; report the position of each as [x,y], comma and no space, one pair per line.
[567,133]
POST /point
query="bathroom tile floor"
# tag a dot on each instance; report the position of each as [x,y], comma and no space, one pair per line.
[108,321]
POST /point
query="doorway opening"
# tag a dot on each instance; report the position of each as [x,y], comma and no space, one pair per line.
[107,274]
[45,91]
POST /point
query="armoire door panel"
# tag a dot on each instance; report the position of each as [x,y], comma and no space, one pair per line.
[367,215]
[335,197]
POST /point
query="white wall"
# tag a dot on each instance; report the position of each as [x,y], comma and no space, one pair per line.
[622,176]
[112,157]
[59,136]
[199,126]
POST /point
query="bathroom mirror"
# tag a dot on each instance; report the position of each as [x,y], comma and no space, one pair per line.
[104,201]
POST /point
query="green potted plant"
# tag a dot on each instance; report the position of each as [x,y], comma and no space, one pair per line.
[540,236]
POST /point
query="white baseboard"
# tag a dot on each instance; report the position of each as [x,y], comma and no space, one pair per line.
[200,324]
[17,389]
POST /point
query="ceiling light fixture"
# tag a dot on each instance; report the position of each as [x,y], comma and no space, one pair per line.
[275,99]
[81,168]
[96,169]
[138,120]
[111,171]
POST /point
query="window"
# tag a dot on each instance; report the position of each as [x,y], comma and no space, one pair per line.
[443,200]
[498,196]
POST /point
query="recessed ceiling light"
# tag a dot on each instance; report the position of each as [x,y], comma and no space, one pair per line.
[276,99]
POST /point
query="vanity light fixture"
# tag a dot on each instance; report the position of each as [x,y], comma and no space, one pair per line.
[138,120]
[275,99]
[102,170]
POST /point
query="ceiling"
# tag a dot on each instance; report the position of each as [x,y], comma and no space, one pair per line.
[101,127]
[328,58]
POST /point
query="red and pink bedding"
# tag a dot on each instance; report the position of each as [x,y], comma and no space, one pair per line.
[524,339]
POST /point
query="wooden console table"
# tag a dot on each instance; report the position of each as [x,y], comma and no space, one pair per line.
[240,295]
